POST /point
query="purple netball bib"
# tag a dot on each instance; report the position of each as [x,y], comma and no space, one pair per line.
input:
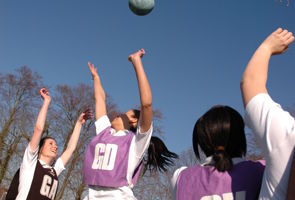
[106,160]
[241,183]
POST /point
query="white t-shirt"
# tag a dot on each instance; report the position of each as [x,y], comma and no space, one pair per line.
[138,146]
[27,171]
[274,129]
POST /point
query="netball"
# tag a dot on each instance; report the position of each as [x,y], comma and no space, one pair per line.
[141,7]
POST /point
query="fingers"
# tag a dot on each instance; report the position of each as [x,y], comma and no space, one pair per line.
[286,38]
[87,114]
[284,33]
[279,41]
[289,38]
[278,31]
[91,66]
[87,111]
[45,94]
[288,35]
[137,54]
[43,91]
[142,51]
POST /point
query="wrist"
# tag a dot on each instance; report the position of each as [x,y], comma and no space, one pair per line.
[46,101]
[95,76]
[134,58]
[266,48]
[80,122]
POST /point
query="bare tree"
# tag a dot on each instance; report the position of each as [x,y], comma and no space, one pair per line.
[69,102]
[18,96]
[19,104]
[3,193]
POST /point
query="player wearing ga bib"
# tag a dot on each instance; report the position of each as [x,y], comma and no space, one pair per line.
[204,182]
[106,160]
[44,184]
[37,179]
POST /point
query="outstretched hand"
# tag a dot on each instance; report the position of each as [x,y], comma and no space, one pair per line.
[278,42]
[137,55]
[93,70]
[87,114]
[45,94]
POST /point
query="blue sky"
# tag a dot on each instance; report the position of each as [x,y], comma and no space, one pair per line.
[196,51]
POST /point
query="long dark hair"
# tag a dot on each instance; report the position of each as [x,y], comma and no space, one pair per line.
[220,134]
[158,156]
[136,115]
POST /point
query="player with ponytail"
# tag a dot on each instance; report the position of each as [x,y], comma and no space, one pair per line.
[224,174]
[116,154]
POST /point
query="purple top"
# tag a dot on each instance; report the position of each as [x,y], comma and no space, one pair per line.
[106,160]
[205,182]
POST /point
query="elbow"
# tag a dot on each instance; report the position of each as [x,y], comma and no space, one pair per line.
[242,84]
[71,149]
[38,129]
[147,105]
[102,94]
[146,101]
[100,98]
[246,81]
[251,83]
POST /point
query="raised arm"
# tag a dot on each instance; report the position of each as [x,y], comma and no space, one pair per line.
[39,126]
[71,147]
[99,94]
[146,114]
[255,75]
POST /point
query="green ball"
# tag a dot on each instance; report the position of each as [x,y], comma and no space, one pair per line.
[141,7]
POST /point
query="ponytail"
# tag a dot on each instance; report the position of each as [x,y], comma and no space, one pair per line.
[222,161]
[159,157]
[220,134]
